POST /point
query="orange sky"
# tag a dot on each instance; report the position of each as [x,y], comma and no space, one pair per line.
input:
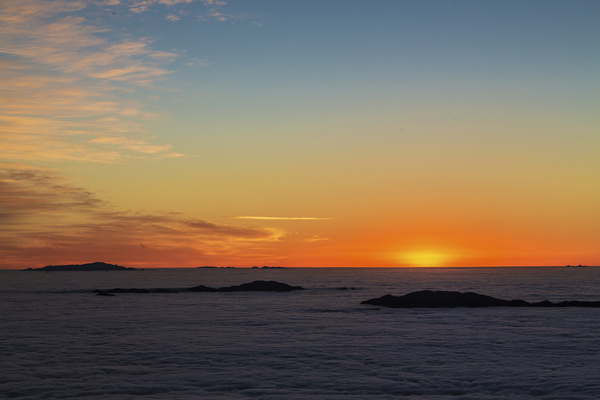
[185,133]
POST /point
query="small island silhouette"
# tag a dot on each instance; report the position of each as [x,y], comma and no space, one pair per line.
[95,266]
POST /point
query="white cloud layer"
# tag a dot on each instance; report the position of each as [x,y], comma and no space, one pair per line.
[60,342]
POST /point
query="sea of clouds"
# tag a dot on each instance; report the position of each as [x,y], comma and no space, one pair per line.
[59,341]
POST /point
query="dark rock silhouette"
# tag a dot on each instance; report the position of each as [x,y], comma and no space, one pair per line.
[101,292]
[261,286]
[104,294]
[95,266]
[256,286]
[448,299]
[201,288]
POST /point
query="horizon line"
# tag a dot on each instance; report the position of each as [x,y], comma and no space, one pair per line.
[346,266]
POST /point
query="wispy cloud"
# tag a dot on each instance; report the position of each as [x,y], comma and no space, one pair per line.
[280,218]
[140,6]
[213,7]
[136,145]
[45,220]
[214,11]
[71,89]
[63,82]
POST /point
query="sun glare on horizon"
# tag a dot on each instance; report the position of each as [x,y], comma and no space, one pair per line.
[426,258]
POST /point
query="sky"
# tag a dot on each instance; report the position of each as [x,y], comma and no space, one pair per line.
[314,133]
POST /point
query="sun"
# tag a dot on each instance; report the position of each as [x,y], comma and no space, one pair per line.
[426,258]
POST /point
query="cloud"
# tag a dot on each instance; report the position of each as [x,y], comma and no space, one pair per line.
[73,90]
[137,145]
[141,6]
[45,220]
[281,218]
[214,11]
[198,62]
[63,85]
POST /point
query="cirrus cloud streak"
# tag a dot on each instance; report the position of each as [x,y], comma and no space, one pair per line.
[281,218]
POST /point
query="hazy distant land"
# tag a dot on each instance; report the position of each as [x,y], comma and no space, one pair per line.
[95,266]
[102,266]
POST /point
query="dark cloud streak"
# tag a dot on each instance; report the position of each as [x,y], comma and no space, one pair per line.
[44,217]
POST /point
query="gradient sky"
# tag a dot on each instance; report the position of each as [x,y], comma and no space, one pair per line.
[181,133]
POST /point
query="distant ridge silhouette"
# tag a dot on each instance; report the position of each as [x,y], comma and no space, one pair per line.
[449,299]
[256,286]
[95,266]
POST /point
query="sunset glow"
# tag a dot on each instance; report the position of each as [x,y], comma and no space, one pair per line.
[427,258]
[192,132]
